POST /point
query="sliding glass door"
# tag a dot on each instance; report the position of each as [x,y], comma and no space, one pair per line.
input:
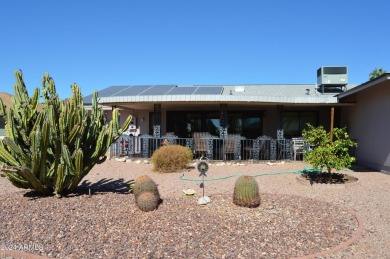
[184,123]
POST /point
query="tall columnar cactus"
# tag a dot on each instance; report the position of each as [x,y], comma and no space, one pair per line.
[52,150]
[246,192]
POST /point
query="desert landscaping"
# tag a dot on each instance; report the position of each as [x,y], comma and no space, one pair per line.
[100,219]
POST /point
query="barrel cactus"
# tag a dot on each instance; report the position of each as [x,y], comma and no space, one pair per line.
[145,184]
[147,201]
[52,150]
[142,178]
[246,192]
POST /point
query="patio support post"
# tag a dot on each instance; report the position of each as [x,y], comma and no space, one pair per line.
[157,121]
[223,121]
[331,123]
[273,150]
[280,132]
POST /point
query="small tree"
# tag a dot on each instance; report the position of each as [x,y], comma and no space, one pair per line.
[54,149]
[327,153]
[376,73]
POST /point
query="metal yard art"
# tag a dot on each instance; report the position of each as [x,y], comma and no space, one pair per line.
[202,168]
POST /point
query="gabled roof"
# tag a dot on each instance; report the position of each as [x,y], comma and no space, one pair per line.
[266,93]
[366,85]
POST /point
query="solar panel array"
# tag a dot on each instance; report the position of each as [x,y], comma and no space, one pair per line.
[110,91]
[209,90]
[158,90]
[133,90]
[143,90]
[182,90]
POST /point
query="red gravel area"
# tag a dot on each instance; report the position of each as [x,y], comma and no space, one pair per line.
[289,223]
[110,225]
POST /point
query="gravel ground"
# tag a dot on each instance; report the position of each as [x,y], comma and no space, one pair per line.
[293,219]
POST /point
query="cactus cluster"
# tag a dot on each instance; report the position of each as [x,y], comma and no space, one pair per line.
[147,196]
[246,192]
[52,150]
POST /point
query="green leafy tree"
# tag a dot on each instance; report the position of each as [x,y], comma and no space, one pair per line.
[325,153]
[377,73]
[54,149]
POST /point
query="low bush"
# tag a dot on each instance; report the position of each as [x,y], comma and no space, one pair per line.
[330,152]
[171,158]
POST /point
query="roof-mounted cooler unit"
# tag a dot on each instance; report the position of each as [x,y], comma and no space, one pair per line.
[332,77]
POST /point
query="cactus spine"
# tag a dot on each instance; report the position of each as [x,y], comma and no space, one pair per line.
[52,150]
[246,192]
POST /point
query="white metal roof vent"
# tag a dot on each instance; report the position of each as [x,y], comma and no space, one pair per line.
[239,89]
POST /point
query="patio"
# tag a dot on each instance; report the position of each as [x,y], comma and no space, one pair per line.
[205,145]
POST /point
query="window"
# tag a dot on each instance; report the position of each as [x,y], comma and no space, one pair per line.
[295,122]
[184,124]
[246,123]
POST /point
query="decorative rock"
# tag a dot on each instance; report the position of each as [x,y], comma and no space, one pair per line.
[120,159]
[192,165]
[204,200]
[138,162]
[189,192]
[146,162]
[128,161]
[207,198]
[220,164]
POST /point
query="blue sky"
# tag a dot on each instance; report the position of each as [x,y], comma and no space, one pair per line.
[97,44]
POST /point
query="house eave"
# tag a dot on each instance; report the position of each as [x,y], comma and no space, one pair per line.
[219,99]
[364,86]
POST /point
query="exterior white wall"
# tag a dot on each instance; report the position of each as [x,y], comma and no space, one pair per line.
[369,123]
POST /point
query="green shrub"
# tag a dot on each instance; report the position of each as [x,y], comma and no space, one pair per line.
[145,184]
[246,192]
[54,149]
[331,154]
[171,158]
[147,201]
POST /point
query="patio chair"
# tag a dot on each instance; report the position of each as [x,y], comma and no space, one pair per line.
[229,142]
[170,138]
[200,142]
[261,149]
[298,147]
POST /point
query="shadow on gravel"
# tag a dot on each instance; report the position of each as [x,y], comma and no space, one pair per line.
[361,169]
[102,186]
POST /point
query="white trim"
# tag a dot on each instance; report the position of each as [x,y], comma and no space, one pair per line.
[218,98]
